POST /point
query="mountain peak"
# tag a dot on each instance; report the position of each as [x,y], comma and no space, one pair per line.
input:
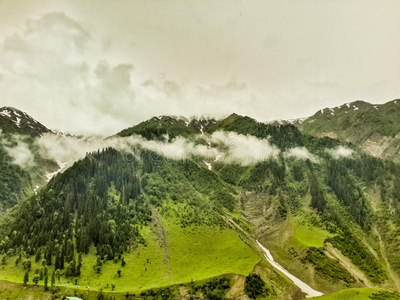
[15,120]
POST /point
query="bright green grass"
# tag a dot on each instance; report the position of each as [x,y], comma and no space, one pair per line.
[14,291]
[194,253]
[11,272]
[351,294]
[112,192]
[144,269]
[310,236]
[202,252]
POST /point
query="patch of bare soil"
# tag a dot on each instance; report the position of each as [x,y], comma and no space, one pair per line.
[237,288]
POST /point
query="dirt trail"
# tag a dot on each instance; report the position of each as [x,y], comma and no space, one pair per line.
[347,264]
[161,235]
[236,291]
[393,275]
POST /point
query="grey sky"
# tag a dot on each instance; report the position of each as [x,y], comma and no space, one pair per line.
[99,66]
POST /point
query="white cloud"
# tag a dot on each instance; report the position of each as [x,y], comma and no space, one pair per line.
[229,147]
[301,153]
[21,155]
[52,69]
[19,151]
[340,152]
[243,149]
[69,149]
[127,61]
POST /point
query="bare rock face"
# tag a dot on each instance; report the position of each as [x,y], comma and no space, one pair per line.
[329,134]
[382,146]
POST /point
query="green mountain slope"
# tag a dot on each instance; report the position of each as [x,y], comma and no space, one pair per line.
[136,221]
[374,127]
[22,166]
[167,228]
[157,127]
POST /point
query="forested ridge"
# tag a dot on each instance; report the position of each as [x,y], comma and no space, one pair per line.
[103,202]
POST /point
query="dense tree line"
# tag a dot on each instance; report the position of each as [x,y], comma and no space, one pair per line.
[158,128]
[254,286]
[103,200]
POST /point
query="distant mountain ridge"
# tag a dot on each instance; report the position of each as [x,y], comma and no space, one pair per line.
[173,125]
[374,127]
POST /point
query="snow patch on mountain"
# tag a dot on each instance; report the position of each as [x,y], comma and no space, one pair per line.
[22,120]
[217,157]
[6,113]
[35,189]
[209,166]
[62,166]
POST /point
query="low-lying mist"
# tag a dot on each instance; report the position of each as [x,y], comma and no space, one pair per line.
[228,147]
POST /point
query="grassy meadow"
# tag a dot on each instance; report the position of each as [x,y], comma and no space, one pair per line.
[191,253]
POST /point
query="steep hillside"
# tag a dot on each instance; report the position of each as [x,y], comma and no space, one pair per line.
[374,127]
[22,167]
[160,224]
[138,219]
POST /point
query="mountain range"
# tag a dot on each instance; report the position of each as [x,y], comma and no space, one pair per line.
[374,128]
[204,208]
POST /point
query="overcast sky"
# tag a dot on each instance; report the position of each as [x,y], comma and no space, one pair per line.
[96,67]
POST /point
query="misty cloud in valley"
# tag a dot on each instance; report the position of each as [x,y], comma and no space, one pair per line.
[222,146]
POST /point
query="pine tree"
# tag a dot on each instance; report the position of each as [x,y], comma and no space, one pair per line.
[46,281]
[53,279]
[29,265]
[62,260]
[123,263]
[318,200]
[58,274]
[79,266]
[26,278]
[36,279]
[48,257]
[38,255]
[57,263]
